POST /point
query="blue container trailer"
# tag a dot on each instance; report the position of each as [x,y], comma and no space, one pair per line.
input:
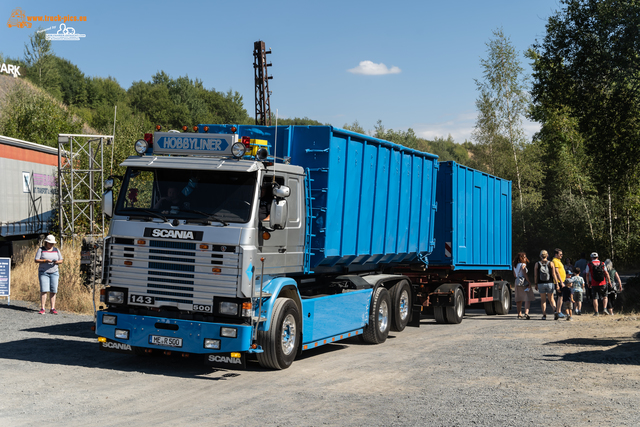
[242,242]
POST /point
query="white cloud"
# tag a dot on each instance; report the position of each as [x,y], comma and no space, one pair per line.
[461,127]
[369,68]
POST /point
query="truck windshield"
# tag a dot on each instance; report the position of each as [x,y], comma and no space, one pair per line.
[188,194]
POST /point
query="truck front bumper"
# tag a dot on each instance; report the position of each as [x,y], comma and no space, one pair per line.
[184,336]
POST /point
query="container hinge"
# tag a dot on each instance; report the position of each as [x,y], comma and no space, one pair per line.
[309,150]
[322,230]
[319,170]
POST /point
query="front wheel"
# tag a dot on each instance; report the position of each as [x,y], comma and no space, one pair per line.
[280,343]
[401,304]
[377,330]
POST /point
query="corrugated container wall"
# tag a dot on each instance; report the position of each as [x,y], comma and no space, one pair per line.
[473,222]
[372,201]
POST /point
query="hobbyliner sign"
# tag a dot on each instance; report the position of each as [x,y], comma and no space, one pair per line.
[193,143]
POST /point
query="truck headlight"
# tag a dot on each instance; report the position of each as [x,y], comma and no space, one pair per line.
[108,319]
[141,146]
[122,334]
[115,297]
[228,308]
[238,149]
[211,344]
[228,332]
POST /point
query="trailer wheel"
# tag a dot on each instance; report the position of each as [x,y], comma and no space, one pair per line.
[489,308]
[401,305]
[456,313]
[280,343]
[377,330]
[440,313]
[504,306]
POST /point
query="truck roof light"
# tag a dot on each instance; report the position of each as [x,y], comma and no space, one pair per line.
[141,146]
[246,141]
[158,127]
[195,128]
[206,129]
[238,150]
[233,129]
[184,128]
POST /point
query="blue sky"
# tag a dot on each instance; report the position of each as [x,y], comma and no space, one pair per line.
[432,50]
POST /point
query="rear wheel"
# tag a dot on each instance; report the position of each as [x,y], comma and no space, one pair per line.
[489,308]
[456,313]
[377,330]
[440,313]
[280,343]
[401,304]
[504,306]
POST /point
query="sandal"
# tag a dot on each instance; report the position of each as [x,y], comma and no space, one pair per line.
[527,317]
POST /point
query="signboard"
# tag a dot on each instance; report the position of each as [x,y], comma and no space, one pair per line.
[5,278]
[193,143]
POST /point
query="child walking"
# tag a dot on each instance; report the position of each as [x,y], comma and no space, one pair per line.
[567,298]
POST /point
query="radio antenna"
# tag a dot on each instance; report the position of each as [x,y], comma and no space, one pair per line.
[275,150]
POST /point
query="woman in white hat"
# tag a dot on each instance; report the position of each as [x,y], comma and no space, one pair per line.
[48,257]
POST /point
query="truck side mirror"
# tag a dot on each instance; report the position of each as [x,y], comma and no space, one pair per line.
[279,214]
[281,191]
[107,203]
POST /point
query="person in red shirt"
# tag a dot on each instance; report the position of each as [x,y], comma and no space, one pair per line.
[597,277]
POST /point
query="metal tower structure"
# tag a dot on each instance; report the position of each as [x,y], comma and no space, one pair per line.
[81,184]
[263,108]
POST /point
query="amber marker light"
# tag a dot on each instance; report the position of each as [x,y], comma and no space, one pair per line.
[236,355]
[128,263]
[184,128]
[254,346]
[203,246]
[206,128]
[216,270]
[142,242]
[158,127]
[233,129]
[195,128]
[266,235]
[102,339]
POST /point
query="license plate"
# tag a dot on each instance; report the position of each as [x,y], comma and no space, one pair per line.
[165,341]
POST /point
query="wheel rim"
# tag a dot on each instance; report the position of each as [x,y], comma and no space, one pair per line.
[459,305]
[288,334]
[383,316]
[506,301]
[404,305]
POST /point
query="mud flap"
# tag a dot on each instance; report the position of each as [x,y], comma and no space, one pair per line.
[224,360]
[416,311]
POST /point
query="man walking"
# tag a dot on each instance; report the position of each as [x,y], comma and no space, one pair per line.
[597,276]
[557,261]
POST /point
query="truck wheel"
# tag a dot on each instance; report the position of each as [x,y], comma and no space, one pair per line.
[455,313]
[489,308]
[401,304]
[377,330]
[280,343]
[440,314]
[504,306]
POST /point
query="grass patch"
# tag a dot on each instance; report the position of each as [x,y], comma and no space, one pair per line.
[72,296]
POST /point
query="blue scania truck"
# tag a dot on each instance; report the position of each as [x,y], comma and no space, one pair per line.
[235,243]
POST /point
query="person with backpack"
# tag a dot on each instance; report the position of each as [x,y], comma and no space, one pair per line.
[598,276]
[523,285]
[48,257]
[613,287]
[561,276]
[545,276]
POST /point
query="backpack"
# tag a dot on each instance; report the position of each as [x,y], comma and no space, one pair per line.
[597,271]
[543,272]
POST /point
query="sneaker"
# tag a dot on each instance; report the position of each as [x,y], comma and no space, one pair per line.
[569,318]
[561,316]
[555,316]
[54,311]
[544,317]
[579,313]
[41,312]
[596,314]
[606,313]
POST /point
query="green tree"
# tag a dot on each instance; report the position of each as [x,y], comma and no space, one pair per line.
[502,105]
[38,55]
[587,70]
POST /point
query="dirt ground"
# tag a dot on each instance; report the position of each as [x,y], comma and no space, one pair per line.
[488,370]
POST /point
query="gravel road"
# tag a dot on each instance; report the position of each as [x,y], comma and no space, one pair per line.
[487,371]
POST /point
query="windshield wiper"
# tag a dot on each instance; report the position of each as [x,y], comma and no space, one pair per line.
[209,217]
[154,214]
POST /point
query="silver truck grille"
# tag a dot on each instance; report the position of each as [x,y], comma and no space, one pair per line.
[174,272]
